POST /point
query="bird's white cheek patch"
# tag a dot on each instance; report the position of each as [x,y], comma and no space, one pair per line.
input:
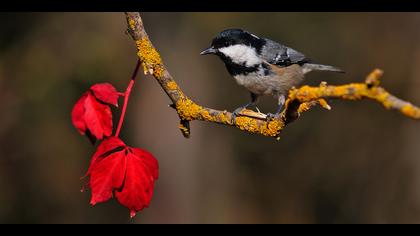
[241,54]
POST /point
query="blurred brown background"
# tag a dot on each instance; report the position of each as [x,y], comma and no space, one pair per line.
[355,164]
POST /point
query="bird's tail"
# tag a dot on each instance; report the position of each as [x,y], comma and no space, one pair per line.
[308,67]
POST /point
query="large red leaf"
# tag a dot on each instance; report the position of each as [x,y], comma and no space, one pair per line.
[149,160]
[127,172]
[106,175]
[108,145]
[141,173]
[105,148]
[106,93]
[98,117]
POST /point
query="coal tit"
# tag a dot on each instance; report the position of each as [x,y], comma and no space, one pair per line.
[261,65]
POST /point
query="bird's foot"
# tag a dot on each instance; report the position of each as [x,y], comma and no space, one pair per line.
[237,112]
[271,116]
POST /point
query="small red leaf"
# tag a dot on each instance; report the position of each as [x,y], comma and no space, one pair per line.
[106,93]
[78,115]
[98,117]
[91,117]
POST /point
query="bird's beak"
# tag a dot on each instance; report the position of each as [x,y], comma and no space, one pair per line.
[209,50]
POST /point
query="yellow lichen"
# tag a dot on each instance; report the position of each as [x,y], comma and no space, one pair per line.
[205,115]
[411,111]
[324,104]
[223,118]
[150,58]
[383,97]
[132,24]
[184,129]
[350,92]
[373,78]
[304,107]
[246,123]
[187,109]
[172,85]
[271,129]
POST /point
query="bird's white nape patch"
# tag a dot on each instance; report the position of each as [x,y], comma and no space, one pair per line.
[242,54]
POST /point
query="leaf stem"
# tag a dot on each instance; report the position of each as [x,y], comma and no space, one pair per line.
[126,97]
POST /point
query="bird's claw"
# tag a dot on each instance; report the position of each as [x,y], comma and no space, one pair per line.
[235,113]
[271,116]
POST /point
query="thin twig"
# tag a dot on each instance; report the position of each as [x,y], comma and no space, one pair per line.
[127,97]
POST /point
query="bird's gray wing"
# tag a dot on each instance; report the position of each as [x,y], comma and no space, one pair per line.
[277,54]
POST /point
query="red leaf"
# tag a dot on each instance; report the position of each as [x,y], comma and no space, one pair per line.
[108,145]
[106,93]
[107,169]
[98,117]
[78,115]
[91,114]
[142,171]
[149,161]
[127,172]
[107,174]
[105,148]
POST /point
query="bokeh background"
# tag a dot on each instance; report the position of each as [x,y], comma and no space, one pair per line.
[355,164]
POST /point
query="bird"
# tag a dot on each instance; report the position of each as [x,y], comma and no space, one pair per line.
[263,66]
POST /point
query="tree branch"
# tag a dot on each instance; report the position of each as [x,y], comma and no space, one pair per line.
[298,101]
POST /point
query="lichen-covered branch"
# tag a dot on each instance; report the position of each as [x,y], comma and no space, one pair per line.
[298,101]
[370,89]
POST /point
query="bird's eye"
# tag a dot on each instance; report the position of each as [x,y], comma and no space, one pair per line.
[226,44]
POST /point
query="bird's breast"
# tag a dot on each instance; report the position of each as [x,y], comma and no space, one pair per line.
[267,81]
[256,83]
